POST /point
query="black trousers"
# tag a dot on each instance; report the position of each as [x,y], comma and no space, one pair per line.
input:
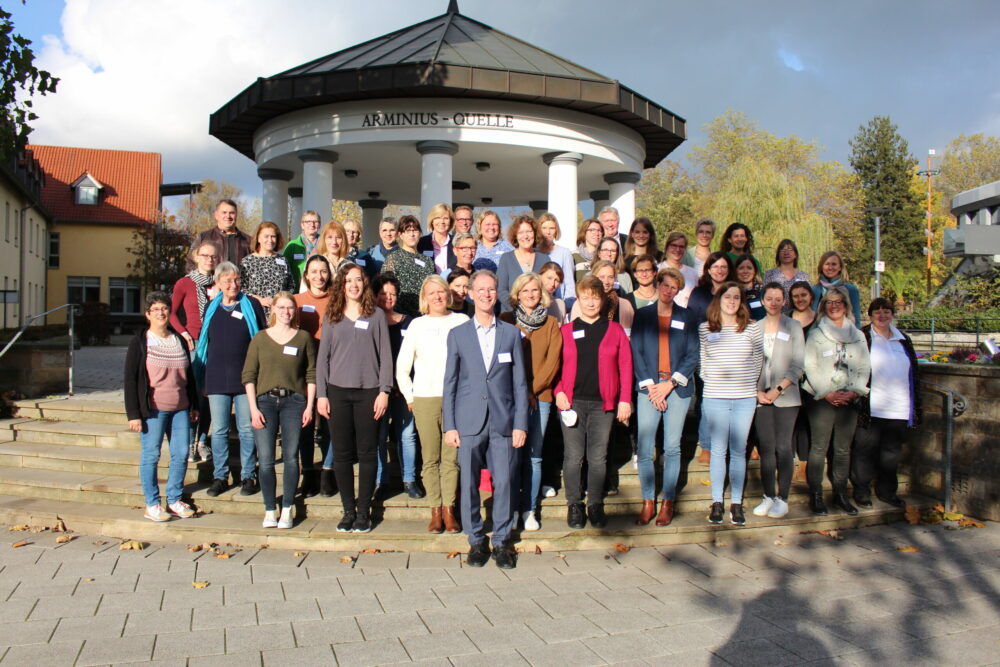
[354,432]
[876,457]
[587,440]
[775,427]
[834,425]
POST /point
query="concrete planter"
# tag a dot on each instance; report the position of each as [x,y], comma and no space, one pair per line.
[36,368]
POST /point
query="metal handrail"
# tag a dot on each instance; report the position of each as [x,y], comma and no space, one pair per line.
[73,308]
[955,406]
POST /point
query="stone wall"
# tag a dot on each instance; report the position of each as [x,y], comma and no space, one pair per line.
[976,440]
[35,369]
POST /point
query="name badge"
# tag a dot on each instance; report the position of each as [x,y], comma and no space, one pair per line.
[676,324]
[754,304]
[359,261]
[420,262]
[524,335]
[152,342]
[280,261]
[628,332]
[237,314]
[828,353]
[429,253]
[361,324]
[714,337]
[308,308]
[298,255]
[582,266]
[504,358]
[579,334]
[403,333]
[782,335]
[617,285]
[291,350]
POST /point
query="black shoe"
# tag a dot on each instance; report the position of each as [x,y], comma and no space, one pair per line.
[575,517]
[840,500]
[218,486]
[413,490]
[327,487]
[598,519]
[863,499]
[505,557]
[736,516]
[363,523]
[310,483]
[612,490]
[250,487]
[478,554]
[715,515]
[346,524]
[816,504]
[893,500]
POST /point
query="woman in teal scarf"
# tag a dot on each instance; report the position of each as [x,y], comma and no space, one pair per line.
[832,273]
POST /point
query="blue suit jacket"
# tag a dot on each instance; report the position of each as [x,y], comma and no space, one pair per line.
[476,398]
[685,347]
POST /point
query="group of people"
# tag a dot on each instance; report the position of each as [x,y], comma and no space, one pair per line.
[456,344]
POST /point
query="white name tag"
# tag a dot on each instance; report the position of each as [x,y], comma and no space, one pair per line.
[524,335]
[504,358]
[279,261]
[291,350]
[361,324]
[582,266]
[617,285]
[676,324]
[579,334]
[782,335]
[152,342]
[754,304]
[298,255]
[403,333]
[237,314]
[714,337]
[308,308]
[429,253]
[828,353]
[359,262]
[420,262]
[628,332]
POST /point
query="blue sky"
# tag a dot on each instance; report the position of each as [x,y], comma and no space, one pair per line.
[145,75]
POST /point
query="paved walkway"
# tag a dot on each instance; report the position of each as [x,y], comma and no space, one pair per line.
[802,598]
[98,371]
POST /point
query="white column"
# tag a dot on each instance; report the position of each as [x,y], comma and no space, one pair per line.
[622,190]
[294,212]
[538,207]
[317,181]
[601,199]
[435,174]
[371,216]
[563,198]
[274,203]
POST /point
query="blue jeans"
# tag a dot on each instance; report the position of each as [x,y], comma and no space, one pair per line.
[729,421]
[176,425]
[405,435]
[286,412]
[221,404]
[531,456]
[649,419]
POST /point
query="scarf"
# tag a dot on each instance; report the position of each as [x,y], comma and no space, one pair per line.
[533,320]
[826,283]
[202,283]
[842,335]
[586,254]
[201,350]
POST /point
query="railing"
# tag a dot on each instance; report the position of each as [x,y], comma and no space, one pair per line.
[72,336]
[955,405]
[950,332]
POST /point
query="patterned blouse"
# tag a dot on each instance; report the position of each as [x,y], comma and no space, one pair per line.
[265,276]
[410,269]
[489,258]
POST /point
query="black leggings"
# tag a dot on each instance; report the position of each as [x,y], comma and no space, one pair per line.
[775,427]
[354,432]
[876,457]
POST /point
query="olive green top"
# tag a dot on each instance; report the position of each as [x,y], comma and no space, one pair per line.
[272,366]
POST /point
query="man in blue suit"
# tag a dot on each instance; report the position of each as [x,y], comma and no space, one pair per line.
[485,415]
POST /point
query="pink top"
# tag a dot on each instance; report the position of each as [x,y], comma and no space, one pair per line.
[614,366]
[166,366]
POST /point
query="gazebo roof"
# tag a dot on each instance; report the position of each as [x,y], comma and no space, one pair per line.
[447,56]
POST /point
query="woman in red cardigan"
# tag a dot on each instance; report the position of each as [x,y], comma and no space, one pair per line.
[594,388]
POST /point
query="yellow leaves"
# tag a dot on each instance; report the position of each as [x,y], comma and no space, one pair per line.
[780,543]
[223,554]
[832,534]
[908,549]
[199,584]
[300,554]
[350,559]
[195,548]
[378,551]
[970,523]
[18,545]
[939,514]
[952,516]
[561,556]
[88,579]
[131,545]
[63,539]
[622,549]
[706,482]
[100,542]
[451,554]
[21,528]
[60,527]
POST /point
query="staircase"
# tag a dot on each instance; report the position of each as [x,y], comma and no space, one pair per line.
[74,459]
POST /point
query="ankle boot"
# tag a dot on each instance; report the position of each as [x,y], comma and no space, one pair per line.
[666,514]
[437,521]
[646,515]
[326,485]
[310,483]
[450,520]
[816,504]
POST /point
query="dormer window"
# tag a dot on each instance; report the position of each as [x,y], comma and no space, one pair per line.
[87,190]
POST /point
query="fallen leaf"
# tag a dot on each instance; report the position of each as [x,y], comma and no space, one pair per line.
[100,542]
[908,549]
[606,556]
[538,550]
[912,515]
[223,554]
[451,554]
[88,578]
[971,523]
[199,584]
[939,508]
[63,539]
[622,549]
[60,527]
[195,549]
[931,517]
[780,543]
[300,554]
[20,544]
[561,555]
[131,545]
[20,527]
[706,482]
[952,516]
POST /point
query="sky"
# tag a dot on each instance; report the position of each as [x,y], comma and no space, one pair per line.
[146,74]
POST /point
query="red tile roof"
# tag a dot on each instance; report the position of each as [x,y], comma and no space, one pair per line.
[131,183]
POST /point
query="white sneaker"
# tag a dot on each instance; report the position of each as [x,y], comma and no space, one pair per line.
[635,462]
[531,522]
[204,451]
[764,507]
[549,491]
[778,509]
[270,519]
[286,518]
[180,509]
[156,513]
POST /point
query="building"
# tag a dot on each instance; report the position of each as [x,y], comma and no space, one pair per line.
[96,198]
[446,110]
[24,244]
[976,239]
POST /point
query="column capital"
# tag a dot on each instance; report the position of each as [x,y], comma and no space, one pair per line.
[295,193]
[600,195]
[437,147]
[539,205]
[372,203]
[316,155]
[267,174]
[622,177]
[549,158]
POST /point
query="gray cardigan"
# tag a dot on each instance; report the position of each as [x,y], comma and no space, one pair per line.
[822,350]
[786,361]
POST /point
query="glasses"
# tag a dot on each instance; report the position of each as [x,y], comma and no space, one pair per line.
[463,219]
[678,246]
[160,309]
[208,256]
[468,248]
[838,304]
[644,270]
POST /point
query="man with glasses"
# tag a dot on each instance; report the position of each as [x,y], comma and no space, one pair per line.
[298,251]
[386,244]
[463,219]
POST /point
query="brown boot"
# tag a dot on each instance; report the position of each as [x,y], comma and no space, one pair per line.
[437,523]
[704,456]
[646,515]
[450,522]
[666,514]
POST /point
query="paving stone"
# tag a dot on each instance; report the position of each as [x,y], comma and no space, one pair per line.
[118,603]
[468,576]
[400,601]
[324,560]
[190,597]
[31,591]
[87,628]
[16,573]
[440,645]
[506,635]
[259,638]
[628,599]
[310,589]
[755,652]
[50,655]
[692,658]
[375,652]
[158,622]
[382,561]
[570,604]
[630,646]
[420,560]
[544,560]
[521,589]
[812,643]
[687,637]
[350,606]
[78,605]
[282,557]
[558,655]
[566,629]
[453,618]
[424,579]
[326,631]
[18,610]
[281,611]
[225,617]
[469,594]
[369,583]
[265,573]
[211,570]
[505,658]
[112,583]
[248,659]
[616,622]
[380,626]
[119,649]
[573,582]
[266,592]
[190,644]
[300,657]
[30,632]
[589,560]
[512,612]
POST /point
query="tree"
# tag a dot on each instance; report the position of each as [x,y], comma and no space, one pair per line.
[160,249]
[20,80]
[968,162]
[668,195]
[881,158]
[195,215]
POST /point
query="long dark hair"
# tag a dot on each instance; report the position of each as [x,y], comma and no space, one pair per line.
[727,245]
[714,311]
[338,294]
[706,278]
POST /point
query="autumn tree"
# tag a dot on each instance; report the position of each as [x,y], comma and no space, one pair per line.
[160,252]
[196,213]
[669,196]
[968,162]
[19,81]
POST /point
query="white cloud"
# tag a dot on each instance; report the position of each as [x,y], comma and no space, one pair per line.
[791,60]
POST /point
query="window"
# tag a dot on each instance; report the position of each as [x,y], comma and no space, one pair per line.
[87,195]
[54,250]
[123,295]
[81,289]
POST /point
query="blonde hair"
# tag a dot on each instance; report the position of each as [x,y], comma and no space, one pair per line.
[676,275]
[271,317]
[437,211]
[479,224]
[545,217]
[523,280]
[332,226]
[600,264]
[434,279]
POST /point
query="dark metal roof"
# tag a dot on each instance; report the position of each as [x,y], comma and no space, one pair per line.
[447,56]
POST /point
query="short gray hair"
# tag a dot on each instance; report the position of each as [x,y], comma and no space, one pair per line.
[225,269]
[461,237]
[609,209]
[484,272]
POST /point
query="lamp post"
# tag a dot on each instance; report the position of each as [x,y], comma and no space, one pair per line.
[930,174]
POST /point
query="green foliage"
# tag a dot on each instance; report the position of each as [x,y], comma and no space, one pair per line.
[950,318]
[19,80]
[968,162]
[160,250]
[903,286]
[196,213]
[668,195]
[981,292]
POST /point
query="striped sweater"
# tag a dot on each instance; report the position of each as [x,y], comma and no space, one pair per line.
[731,361]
